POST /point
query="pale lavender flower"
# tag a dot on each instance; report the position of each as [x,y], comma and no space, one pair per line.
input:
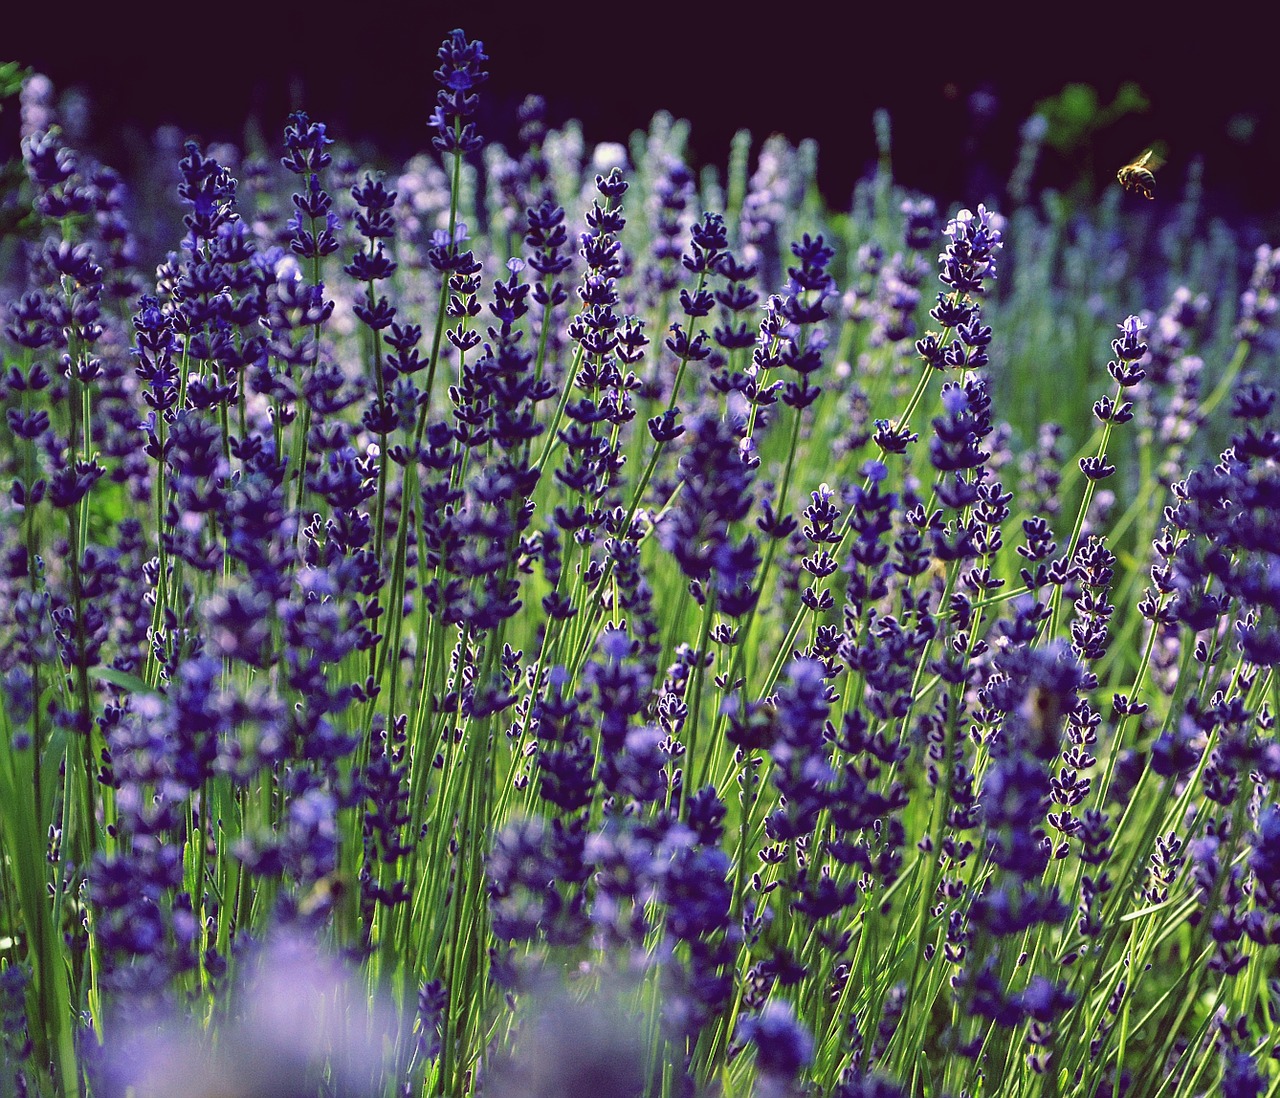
[298,1019]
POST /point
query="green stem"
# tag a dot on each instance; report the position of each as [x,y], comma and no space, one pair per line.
[695,703]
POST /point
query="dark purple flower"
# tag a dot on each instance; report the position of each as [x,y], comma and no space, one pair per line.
[1264,861]
[566,756]
[1128,349]
[716,492]
[1240,1075]
[920,222]
[305,143]
[970,257]
[784,1047]
[1044,1000]
[210,190]
[459,73]
[867,1085]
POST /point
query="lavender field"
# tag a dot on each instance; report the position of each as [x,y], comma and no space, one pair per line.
[556,621]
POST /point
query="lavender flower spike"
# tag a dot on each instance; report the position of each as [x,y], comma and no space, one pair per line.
[970,258]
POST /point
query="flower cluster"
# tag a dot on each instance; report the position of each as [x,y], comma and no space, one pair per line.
[774,705]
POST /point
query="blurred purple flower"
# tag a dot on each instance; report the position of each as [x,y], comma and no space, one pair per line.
[299,1024]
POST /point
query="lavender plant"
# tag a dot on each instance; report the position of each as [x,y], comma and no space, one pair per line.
[623,631]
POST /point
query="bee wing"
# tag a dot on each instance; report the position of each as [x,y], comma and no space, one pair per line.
[1150,159]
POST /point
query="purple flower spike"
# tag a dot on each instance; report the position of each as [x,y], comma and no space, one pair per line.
[783,1046]
[970,258]
[459,73]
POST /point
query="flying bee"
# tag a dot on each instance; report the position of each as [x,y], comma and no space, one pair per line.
[323,895]
[1137,176]
[1043,712]
[937,570]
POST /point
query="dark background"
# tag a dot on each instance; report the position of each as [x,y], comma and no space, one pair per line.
[958,82]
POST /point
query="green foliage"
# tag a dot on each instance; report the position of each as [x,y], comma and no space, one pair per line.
[1076,117]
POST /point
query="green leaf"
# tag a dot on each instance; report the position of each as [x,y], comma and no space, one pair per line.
[11,77]
[131,684]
